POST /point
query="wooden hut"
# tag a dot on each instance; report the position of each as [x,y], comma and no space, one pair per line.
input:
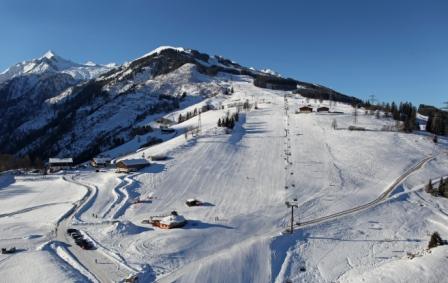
[174,220]
[131,165]
[60,163]
[323,109]
[305,109]
[100,162]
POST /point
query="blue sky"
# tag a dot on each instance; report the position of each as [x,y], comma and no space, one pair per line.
[395,50]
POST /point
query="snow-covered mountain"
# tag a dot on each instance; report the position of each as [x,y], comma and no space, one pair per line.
[51,63]
[53,106]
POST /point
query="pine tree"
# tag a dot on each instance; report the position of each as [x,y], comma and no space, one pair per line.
[219,122]
[429,189]
[231,123]
[438,125]
[441,187]
[445,188]
[180,119]
[429,123]
[435,240]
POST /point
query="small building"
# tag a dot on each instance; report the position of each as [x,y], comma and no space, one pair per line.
[131,165]
[174,220]
[100,162]
[323,109]
[305,109]
[165,121]
[60,163]
[166,130]
[193,202]
[159,157]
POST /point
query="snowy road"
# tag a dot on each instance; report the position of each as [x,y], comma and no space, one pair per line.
[94,261]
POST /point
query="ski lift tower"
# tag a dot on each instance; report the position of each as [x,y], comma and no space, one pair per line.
[292,204]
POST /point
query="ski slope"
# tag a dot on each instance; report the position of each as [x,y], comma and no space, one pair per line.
[273,155]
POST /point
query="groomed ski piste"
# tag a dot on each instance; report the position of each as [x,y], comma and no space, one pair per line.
[362,213]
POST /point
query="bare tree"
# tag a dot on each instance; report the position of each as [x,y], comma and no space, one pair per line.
[334,124]
[377,114]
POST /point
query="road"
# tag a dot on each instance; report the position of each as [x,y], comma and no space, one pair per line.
[102,267]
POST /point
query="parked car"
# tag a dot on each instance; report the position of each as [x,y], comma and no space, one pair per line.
[76,236]
[71,230]
[86,245]
[9,251]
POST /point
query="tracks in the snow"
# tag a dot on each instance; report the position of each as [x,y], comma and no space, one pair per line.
[372,203]
[97,262]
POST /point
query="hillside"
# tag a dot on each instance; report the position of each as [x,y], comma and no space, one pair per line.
[54,107]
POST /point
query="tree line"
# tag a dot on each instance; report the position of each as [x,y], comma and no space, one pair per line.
[10,162]
[441,190]
[229,121]
[437,122]
[405,112]
[190,114]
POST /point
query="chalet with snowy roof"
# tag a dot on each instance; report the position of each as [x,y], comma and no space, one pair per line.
[323,109]
[306,109]
[100,162]
[131,165]
[174,220]
[60,163]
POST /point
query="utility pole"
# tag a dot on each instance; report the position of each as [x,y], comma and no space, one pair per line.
[292,205]
[372,99]
[355,114]
[199,123]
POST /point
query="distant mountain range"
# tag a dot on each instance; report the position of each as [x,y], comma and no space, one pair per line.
[54,107]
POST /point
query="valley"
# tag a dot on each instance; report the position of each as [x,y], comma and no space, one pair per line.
[244,177]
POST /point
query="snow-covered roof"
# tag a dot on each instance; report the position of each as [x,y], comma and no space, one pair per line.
[172,220]
[60,160]
[134,162]
[100,160]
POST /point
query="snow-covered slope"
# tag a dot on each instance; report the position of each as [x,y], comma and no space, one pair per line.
[244,178]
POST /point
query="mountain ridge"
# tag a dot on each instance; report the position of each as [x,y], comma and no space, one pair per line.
[82,116]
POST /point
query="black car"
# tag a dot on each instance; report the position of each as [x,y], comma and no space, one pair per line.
[87,246]
[77,236]
[71,230]
[84,244]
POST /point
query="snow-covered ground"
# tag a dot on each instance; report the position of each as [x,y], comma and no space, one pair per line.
[273,155]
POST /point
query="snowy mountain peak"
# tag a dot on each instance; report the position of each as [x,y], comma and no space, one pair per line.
[49,55]
[90,63]
[271,72]
[161,48]
[51,63]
